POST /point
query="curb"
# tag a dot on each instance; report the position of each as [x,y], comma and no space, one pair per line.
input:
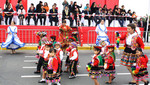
[79,48]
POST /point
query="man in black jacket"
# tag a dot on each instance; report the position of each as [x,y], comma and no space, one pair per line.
[38,10]
[8,15]
[53,16]
[66,15]
[141,23]
[88,16]
[71,6]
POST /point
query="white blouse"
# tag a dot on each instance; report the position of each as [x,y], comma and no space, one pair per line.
[129,38]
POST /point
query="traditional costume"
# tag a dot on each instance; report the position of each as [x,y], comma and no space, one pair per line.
[109,65]
[54,38]
[132,42]
[101,30]
[96,66]
[139,69]
[59,53]
[12,41]
[64,34]
[73,57]
[52,76]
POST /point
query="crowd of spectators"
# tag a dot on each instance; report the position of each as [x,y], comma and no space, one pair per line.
[95,13]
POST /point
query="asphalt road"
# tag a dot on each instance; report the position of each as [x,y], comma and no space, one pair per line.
[18,69]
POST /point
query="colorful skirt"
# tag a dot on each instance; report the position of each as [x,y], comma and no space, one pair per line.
[96,72]
[52,78]
[110,71]
[45,63]
[141,75]
[128,57]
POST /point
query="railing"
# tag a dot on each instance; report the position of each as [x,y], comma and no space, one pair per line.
[92,35]
[28,35]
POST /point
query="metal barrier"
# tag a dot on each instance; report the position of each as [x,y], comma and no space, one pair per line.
[92,35]
[29,36]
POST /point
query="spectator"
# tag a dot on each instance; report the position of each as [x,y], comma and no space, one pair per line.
[32,5]
[105,7]
[97,19]
[129,14]
[46,6]
[123,11]
[120,17]
[71,6]
[42,15]
[76,13]
[6,4]
[115,8]
[76,6]
[53,17]
[99,6]
[134,16]
[31,10]
[115,12]
[66,15]
[21,13]
[8,15]
[1,17]
[56,6]
[93,8]
[65,3]
[38,10]
[19,4]
[88,16]
[87,6]
[109,17]
[141,23]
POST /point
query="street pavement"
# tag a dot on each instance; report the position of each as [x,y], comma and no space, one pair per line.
[17,69]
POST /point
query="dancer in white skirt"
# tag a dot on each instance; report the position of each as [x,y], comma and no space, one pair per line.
[101,31]
[12,41]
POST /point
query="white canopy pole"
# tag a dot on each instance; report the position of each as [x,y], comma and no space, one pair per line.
[147,21]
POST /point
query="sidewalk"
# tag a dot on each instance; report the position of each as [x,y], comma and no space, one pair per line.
[84,47]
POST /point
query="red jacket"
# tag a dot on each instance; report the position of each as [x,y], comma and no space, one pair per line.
[95,61]
[109,59]
[142,61]
[53,64]
[139,41]
[72,54]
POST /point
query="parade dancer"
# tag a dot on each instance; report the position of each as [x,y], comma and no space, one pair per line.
[73,57]
[43,41]
[64,34]
[53,39]
[96,66]
[52,69]
[109,64]
[12,41]
[132,42]
[101,31]
[139,69]
[68,50]
[45,56]
[59,53]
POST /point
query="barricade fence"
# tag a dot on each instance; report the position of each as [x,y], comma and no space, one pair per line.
[28,35]
[92,36]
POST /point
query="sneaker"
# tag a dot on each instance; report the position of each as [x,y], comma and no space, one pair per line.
[42,81]
[37,72]
[70,77]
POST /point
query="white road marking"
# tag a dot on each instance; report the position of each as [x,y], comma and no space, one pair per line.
[82,75]
[30,76]
[123,74]
[29,67]
[30,61]
[30,56]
